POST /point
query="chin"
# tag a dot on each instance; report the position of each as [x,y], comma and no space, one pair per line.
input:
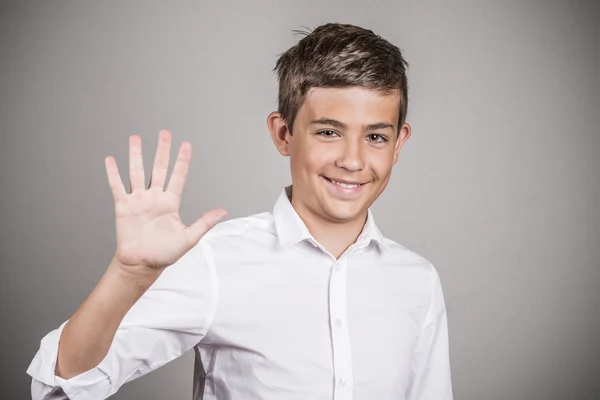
[342,214]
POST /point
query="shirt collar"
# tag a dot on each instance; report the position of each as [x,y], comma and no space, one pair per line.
[291,229]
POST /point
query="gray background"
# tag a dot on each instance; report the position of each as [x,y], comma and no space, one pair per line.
[498,186]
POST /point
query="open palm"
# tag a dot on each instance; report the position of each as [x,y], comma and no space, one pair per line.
[148,227]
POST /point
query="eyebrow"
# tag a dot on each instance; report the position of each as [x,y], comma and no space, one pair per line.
[341,125]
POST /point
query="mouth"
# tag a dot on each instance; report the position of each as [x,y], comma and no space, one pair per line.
[343,188]
[343,183]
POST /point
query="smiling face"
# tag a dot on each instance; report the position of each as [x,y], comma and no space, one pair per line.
[344,144]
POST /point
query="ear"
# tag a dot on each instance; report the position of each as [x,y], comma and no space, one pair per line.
[279,132]
[403,136]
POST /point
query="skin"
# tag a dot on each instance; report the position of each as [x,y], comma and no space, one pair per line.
[339,133]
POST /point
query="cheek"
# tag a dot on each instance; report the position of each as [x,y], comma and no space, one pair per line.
[381,164]
[314,158]
[324,154]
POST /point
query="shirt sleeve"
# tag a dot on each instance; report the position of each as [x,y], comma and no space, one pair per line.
[172,316]
[430,367]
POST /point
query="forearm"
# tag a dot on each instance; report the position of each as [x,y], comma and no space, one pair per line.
[88,335]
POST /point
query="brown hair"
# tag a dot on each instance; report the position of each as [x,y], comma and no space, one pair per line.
[339,55]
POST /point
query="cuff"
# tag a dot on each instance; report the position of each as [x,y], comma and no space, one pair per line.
[90,385]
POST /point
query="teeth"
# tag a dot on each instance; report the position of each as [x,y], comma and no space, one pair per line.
[344,185]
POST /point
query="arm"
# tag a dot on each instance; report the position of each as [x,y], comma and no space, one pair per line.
[155,300]
[169,318]
[87,336]
[430,368]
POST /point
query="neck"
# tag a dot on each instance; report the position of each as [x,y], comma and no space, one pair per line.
[336,237]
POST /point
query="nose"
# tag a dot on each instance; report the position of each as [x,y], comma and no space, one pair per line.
[351,157]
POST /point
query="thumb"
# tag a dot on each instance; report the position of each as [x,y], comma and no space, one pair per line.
[204,224]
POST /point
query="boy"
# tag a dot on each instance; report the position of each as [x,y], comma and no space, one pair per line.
[308,301]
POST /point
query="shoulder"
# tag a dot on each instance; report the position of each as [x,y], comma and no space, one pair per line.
[401,256]
[240,228]
[419,271]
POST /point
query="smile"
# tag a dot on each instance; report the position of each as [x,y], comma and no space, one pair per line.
[347,185]
[343,189]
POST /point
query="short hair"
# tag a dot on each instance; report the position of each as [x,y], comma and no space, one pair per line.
[339,55]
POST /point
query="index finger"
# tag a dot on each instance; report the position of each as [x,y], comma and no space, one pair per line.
[180,170]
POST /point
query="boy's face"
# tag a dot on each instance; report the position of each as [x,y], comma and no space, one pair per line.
[344,135]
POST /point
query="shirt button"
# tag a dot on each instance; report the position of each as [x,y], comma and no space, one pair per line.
[343,382]
[338,267]
[338,322]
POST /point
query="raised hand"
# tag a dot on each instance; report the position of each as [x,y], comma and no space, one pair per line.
[150,233]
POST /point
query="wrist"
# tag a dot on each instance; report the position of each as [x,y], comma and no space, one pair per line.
[139,277]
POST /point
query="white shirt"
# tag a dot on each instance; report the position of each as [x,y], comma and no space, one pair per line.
[273,315]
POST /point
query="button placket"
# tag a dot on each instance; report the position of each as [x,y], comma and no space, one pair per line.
[342,360]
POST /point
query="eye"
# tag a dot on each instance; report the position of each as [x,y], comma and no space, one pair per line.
[327,133]
[377,138]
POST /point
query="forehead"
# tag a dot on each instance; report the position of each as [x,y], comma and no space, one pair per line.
[350,104]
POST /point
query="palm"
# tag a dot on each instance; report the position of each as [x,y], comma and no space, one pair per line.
[148,227]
